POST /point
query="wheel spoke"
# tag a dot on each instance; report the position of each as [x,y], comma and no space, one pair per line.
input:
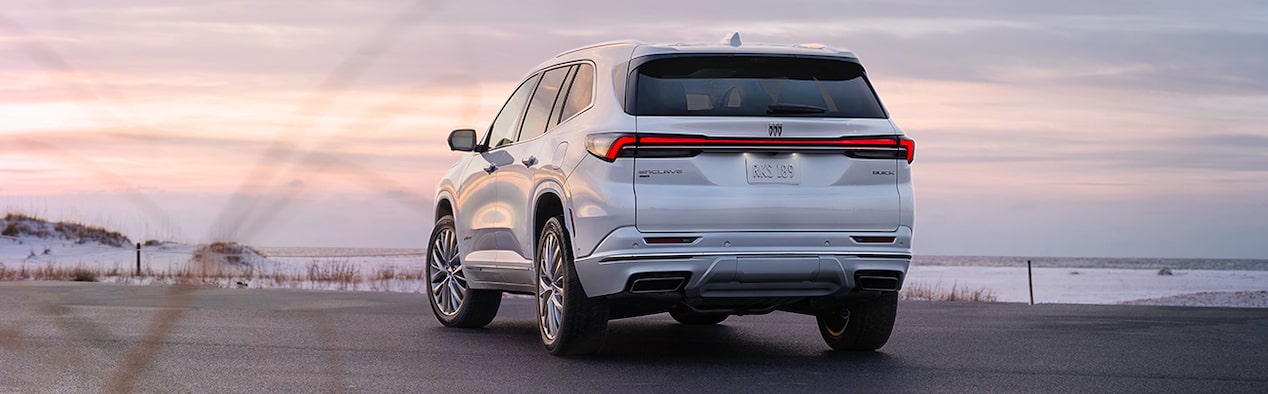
[548,261]
[447,250]
[558,266]
[543,302]
[437,261]
[557,301]
[436,285]
[545,316]
[459,285]
[552,321]
[542,296]
[555,319]
[444,296]
[559,279]
[454,301]
[455,291]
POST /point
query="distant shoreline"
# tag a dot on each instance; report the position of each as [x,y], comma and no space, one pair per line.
[1094,262]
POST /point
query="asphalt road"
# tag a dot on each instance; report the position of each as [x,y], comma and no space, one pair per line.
[59,336]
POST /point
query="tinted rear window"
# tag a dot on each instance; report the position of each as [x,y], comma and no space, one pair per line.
[754,86]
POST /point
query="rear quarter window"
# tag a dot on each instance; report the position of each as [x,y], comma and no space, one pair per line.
[581,92]
[753,86]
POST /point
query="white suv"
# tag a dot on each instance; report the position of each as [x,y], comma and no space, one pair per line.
[704,180]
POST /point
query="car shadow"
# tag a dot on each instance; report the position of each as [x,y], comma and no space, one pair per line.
[663,341]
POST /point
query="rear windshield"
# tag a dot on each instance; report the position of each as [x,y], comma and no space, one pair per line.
[753,86]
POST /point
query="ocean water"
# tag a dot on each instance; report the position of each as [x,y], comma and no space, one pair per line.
[357,254]
[350,253]
[1095,262]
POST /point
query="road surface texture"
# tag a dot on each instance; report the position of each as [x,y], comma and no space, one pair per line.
[77,337]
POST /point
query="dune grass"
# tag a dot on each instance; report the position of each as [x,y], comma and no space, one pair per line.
[935,292]
[19,225]
[50,272]
[217,264]
[338,274]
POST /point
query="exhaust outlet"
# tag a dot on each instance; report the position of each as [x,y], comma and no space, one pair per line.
[878,280]
[656,285]
[878,283]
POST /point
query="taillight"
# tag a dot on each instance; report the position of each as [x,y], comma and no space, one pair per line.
[607,146]
[909,145]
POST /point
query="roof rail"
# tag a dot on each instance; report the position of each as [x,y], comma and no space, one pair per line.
[600,45]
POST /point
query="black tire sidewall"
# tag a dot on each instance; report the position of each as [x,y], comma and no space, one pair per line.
[869,325]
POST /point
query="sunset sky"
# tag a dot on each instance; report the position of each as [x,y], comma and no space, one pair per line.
[1076,128]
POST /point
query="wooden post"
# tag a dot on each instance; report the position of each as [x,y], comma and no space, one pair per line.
[138,259]
[1030,277]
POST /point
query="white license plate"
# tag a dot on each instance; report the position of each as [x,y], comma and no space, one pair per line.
[785,170]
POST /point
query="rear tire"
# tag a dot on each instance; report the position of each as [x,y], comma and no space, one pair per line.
[569,322]
[698,319]
[452,301]
[862,326]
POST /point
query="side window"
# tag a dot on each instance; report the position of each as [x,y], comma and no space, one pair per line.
[503,130]
[539,108]
[581,93]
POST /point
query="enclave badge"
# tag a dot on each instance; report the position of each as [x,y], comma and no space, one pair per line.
[776,129]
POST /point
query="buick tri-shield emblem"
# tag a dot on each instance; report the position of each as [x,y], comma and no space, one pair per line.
[776,129]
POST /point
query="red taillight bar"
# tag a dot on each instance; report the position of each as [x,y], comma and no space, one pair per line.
[705,141]
[614,150]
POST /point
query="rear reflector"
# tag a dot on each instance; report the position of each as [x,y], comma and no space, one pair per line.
[874,240]
[669,240]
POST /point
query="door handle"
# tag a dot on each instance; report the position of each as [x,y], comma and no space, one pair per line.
[529,162]
[492,167]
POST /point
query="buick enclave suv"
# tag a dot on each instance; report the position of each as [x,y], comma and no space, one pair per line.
[703,180]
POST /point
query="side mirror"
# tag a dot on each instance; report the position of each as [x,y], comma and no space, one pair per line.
[462,140]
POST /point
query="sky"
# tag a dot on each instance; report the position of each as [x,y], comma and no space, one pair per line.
[1078,128]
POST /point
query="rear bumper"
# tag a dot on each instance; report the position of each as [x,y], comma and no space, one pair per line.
[745,264]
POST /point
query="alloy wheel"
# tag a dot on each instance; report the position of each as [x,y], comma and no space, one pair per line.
[550,287]
[448,282]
